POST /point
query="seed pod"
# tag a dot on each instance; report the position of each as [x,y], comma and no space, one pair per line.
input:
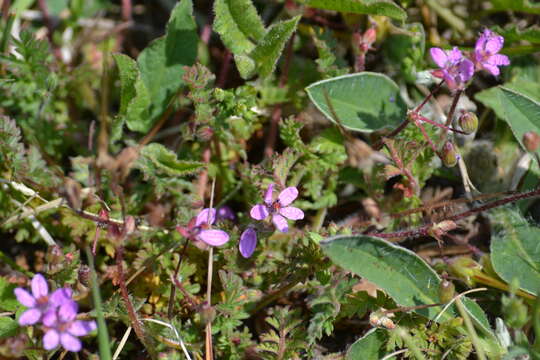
[447,291]
[465,268]
[208,314]
[531,140]
[468,122]
[449,155]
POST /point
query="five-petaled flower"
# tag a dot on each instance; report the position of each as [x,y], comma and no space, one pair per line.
[198,229]
[39,301]
[455,69]
[62,327]
[279,208]
[486,54]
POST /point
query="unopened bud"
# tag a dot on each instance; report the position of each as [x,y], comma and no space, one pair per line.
[84,275]
[129,225]
[447,291]
[205,133]
[208,313]
[531,140]
[449,155]
[468,121]
[465,268]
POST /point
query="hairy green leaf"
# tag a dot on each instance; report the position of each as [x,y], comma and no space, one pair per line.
[515,254]
[516,5]
[161,63]
[371,7]
[363,102]
[166,161]
[237,22]
[8,327]
[267,52]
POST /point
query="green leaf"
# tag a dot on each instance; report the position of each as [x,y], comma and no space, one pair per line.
[371,7]
[268,50]
[369,347]
[128,72]
[8,327]
[161,63]
[237,22]
[246,66]
[515,253]
[166,161]
[8,302]
[401,273]
[520,111]
[363,102]
[515,5]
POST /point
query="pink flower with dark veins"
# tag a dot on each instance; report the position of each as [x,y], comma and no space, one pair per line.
[279,209]
[198,229]
[486,52]
[39,301]
[455,69]
[62,328]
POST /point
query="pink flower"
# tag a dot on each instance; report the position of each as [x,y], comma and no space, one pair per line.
[61,327]
[198,229]
[486,52]
[279,209]
[39,301]
[248,242]
[455,69]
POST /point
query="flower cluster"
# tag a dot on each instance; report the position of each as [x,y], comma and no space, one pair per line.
[456,69]
[56,311]
[198,229]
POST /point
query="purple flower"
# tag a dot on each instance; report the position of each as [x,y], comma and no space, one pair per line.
[198,229]
[455,69]
[486,52]
[248,242]
[39,301]
[61,327]
[279,209]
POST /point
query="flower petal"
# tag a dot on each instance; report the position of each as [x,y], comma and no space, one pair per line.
[68,311]
[493,69]
[280,222]
[39,286]
[287,196]
[259,212]
[51,339]
[60,296]
[30,317]
[466,69]
[291,212]
[269,195]
[499,59]
[481,42]
[494,44]
[206,216]
[248,242]
[439,56]
[70,342]
[454,55]
[81,328]
[50,319]
[214,237]
[24,297]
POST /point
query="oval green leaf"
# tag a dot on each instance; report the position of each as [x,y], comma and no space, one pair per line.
[399,272]
[363,102]
[515,253]
[369,347]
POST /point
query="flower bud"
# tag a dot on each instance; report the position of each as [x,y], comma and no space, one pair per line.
[447,291]
[468,121]
[449,155]
[531,140]
[465,268]
[208,313]
[84,275]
